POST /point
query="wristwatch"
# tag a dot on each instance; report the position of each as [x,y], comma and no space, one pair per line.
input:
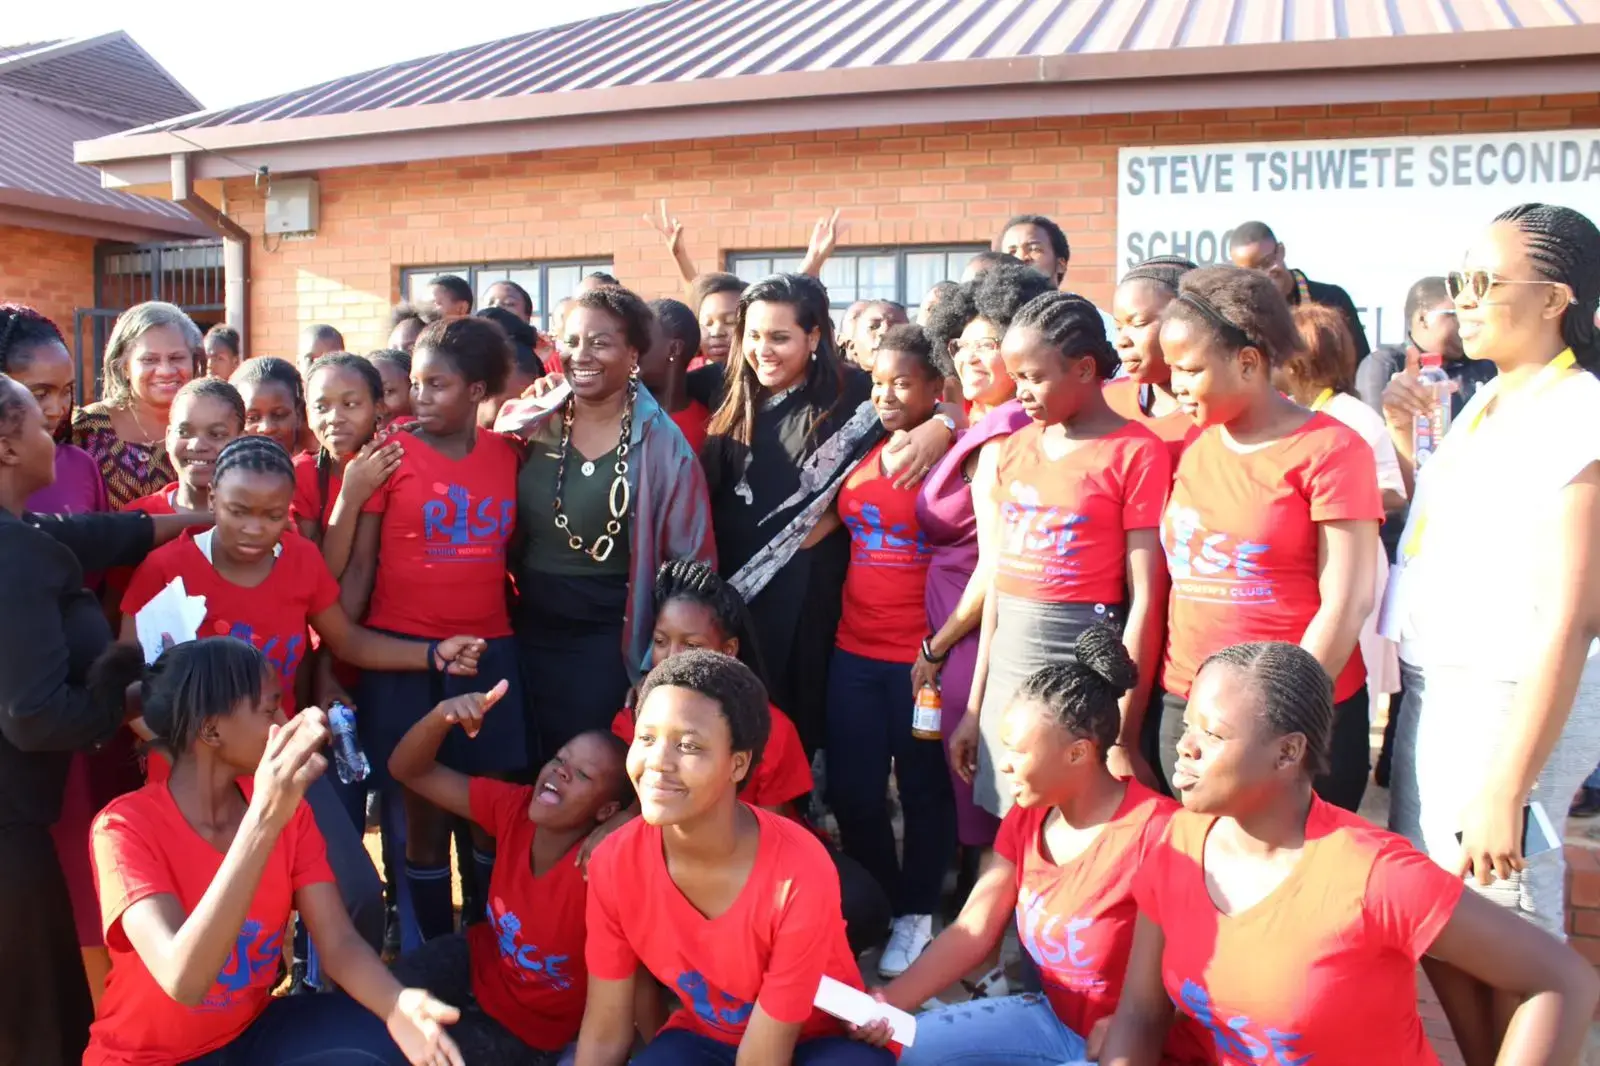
[946,421]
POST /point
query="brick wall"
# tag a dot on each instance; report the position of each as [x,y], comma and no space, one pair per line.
[1583,900]
[51,272]
[943,183]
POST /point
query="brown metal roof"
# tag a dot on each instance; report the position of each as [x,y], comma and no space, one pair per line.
[697,40]
[56,93]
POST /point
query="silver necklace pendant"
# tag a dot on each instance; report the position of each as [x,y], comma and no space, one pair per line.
[587,468]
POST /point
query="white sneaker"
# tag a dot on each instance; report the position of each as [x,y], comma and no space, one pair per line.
[909,937]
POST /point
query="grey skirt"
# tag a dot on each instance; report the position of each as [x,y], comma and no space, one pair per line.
[1028,635]
[1451,725]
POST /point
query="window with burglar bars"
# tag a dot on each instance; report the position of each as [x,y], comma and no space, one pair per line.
[547,282]
[903,274]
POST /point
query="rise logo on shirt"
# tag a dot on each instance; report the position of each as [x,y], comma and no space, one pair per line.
[874,542]
[1214,566]
[257,950]
[1056,945]
[715,1008]
[284,653]
[457,529]
[1237,1038]
[529,967]
[1034,528]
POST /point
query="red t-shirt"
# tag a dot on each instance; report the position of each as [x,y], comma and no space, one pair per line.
[692,422]
[782,775]
[527,959]
[143,847]
[882,614]
[773,946]
[117,577]
[1240,534]
[1076,918]
[308,491]
[446,523]
[1064,522]
[274,615]
[1324,968]
[1172,428]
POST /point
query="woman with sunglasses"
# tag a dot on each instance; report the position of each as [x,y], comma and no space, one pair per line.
[1502,682]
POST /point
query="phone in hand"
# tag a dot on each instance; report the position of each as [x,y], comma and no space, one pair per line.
[1538,832]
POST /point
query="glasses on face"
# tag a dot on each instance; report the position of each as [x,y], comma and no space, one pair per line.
[1477,284]
[985,348]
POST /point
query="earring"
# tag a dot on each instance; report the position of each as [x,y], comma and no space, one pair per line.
[633,372]
[813,355]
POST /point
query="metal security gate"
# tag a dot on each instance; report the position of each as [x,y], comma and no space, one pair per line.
[186,273]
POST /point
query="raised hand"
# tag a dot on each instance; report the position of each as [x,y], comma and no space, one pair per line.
[469,708]
[668,226]
[291,762]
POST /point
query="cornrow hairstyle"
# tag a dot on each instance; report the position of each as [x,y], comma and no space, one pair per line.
[266,369]
[1240,308]
[1296,694]
[253,454]
[478,348]
[710,284]
[623,305]
[196,681]
[21,330]
[1072,326]
[131,325]
[396,357]
[457,287]
[996,295]
[1426,292]
[731,685]
[226,336]
[692,580]
[823,385]
[1327,358]
[1165,270]
[678,323]
[1081,694]
[1058,236]
[215,389]
[1248,233]
[1564,246]
[364,369]
[913,340]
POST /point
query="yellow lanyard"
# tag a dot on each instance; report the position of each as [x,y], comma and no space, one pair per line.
[1322,399]
[1552,372]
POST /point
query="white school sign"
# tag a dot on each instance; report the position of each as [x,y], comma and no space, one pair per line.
[1371,215]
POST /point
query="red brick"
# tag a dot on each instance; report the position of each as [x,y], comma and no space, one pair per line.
[1585,890]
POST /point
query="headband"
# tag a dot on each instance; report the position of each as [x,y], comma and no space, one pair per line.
[1230,331]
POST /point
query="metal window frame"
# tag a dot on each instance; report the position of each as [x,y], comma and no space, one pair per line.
[899,251]
[543,266]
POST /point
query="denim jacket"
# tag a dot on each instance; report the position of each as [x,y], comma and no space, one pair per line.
[671,510]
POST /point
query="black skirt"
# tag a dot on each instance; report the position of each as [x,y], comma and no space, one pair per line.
[45,1009]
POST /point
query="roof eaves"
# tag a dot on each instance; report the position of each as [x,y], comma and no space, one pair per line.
[1332,57]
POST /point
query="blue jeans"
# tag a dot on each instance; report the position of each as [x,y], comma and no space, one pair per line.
[1020,1030]
[679,1047]
[330,1030]
[869,727]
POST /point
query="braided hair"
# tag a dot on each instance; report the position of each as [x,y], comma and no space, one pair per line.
[1296,694]
[731,685]
[1164,270]
[1071,325]
[252,454]
[1081,694]
[396,357]
[694,581]
[1565,247]
[368,373]
[21,330]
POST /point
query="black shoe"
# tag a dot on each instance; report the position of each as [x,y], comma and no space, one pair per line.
[1586,804]
[391,933]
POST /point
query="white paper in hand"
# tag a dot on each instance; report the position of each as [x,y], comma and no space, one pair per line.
[856,1007]
[171,617]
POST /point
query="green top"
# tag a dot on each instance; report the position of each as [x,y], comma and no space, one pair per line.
[585,500]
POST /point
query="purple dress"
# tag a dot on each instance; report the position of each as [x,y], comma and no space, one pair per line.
[945,514]
[78,488]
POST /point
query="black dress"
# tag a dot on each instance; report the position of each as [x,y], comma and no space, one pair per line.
[796,616]
[51,630]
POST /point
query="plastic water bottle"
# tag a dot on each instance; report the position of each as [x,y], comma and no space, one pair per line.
[1427,431]
[348,759]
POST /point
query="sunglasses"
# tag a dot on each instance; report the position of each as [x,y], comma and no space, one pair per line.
[1479,282]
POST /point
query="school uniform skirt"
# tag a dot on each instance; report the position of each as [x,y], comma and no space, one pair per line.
[1028,636]
[45,1008]
[389,703]
[1452,726]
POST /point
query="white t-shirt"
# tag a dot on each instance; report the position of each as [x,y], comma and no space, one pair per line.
[1483,527]
[1364,420]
